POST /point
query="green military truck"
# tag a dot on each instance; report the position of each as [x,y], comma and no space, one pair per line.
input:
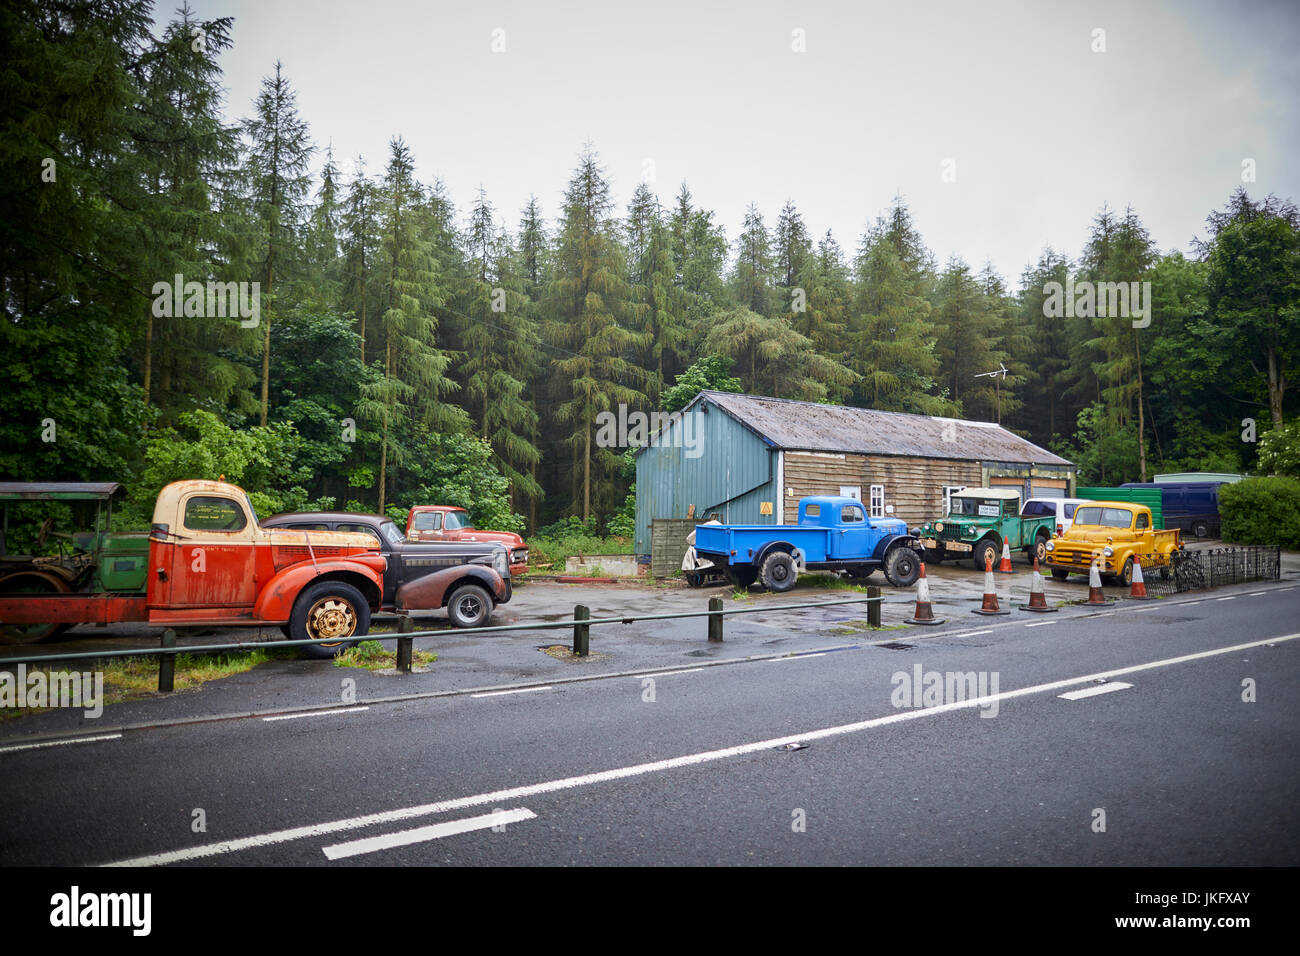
[977,521]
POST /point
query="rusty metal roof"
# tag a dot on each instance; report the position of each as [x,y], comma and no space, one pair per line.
[58,490]
[808,426]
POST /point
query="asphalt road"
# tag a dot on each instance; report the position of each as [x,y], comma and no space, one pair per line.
[1176,766]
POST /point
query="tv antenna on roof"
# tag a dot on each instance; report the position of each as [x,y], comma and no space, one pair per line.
[997,375]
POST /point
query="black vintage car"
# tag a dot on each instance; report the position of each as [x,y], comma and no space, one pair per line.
[468,578]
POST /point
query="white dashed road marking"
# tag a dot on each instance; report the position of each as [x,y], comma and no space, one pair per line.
[59,743]
[1094,691]
[502,693]
[437,831]
[318,713]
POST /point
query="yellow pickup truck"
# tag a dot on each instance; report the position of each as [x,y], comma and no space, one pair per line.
[1112,531]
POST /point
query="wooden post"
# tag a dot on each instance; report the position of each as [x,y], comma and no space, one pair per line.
[873,607]
[404,650]
[715,620]
[167,664]
[581,632]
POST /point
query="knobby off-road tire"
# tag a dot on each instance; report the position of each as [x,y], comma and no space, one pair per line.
[902,566]
[329,609]
[986,547]
[779,572]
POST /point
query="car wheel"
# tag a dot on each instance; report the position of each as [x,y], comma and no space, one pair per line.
[469,606]
[902,567]
[32,582]
[1126,574]
[1201,529]
[330,609]
[984,552]
[1060,574]
[1039,551]
[779,572]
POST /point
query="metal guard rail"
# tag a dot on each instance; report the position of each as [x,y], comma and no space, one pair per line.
[580,625]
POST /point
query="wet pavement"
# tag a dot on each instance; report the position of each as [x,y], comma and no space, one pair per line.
[473,659]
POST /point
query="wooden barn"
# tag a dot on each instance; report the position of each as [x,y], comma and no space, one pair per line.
[749,459]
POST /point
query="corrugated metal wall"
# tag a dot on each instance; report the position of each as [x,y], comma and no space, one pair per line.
[1153,498]
[734,471]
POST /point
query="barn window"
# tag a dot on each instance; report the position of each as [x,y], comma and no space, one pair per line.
[877,501]
[948,492]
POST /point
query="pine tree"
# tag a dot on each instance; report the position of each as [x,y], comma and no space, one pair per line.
[1119,251]
[588,309]
[189,155]
[967,340]
[890,331]
[499,342]
[360,251]
[415,379]
[322,241]
[791,247]
[279,152]
[751,279]
[772,358]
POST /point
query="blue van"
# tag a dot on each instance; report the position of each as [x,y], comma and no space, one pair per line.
[1192,506]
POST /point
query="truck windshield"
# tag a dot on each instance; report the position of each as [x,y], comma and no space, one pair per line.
[456,521]
[1104,517]
[977,507]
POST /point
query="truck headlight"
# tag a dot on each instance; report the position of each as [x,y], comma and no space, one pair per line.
[1108,552]
[938,526]
[1050,546]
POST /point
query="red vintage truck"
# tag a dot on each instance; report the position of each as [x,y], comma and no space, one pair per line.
[449,523]
[204,561]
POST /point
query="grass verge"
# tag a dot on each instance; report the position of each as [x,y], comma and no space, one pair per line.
[374,656]
[136,678]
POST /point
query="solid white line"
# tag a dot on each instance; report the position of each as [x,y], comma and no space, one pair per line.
[689,670]
[318,713]
[1228,598]
[1094,691]
[437,831]
[689,760]
[1040,624]
[1256,593]
[59,743]
[796,657]
[502,693]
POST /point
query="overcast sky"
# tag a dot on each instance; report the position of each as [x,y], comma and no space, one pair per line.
[1041,129]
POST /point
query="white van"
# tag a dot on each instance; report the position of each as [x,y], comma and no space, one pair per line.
[1062,509]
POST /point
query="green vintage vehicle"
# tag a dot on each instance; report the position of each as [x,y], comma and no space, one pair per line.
[977,521]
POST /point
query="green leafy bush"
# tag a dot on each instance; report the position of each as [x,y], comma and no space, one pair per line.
[1261,511]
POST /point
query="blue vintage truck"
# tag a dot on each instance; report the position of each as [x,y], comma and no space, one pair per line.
[833,534]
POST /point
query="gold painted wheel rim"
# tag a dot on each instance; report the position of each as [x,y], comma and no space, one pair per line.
[331,617]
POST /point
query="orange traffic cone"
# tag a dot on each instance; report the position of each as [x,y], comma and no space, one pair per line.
[990,605]
[1037,598]
[924,614]
[1138,590]
[1004,566]
[1095,596]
